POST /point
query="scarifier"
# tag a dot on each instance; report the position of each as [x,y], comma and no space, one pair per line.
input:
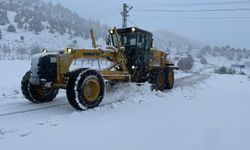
[133,60]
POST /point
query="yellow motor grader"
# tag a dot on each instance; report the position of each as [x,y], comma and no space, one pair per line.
[133,59]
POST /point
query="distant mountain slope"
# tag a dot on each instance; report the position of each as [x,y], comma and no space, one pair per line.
[26,25]
[29,24]
[165,39]
[36,16]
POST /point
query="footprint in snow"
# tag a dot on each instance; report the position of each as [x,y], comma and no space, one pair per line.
[25,133]
[41,123]
[2,132]
[5,132]
[53,123]
[16,92]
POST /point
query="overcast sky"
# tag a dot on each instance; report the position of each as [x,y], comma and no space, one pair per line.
[212,27]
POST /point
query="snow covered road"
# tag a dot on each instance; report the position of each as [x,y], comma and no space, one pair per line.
[204,111]
[26,107]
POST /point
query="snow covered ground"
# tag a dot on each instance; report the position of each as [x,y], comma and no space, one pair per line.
[204,111]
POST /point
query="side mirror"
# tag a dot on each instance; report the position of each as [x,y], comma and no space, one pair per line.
[108,41]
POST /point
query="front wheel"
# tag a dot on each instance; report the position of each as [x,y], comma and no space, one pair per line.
[34,93]
[158,79]
[169,79]
[85,89]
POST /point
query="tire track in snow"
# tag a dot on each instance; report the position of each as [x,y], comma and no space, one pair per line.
[54,106]
[180,82]
[190,80]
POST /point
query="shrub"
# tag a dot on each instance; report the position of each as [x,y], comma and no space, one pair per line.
[203,61]
[224,70]
[186,63]
[242,73]
[11,28]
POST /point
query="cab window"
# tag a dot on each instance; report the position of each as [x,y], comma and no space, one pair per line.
[141,40]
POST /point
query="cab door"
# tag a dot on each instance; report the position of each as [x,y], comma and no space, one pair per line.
[142,50]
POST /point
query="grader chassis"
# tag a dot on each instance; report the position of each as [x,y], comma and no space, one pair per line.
[129,49]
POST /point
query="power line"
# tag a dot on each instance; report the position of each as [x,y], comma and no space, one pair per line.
[133,23]
[156,37]
[192,4]
[197,10]
[101,11]
[194,18]
[105,16]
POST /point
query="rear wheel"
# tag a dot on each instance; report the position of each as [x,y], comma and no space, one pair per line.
[169,79]
[36,94]
[85,89]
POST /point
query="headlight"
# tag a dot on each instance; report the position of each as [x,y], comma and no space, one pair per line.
[69,50]
[133,29]
[133,67]
[111,31]
[44,50]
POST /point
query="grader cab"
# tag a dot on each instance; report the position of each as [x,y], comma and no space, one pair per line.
[133,58]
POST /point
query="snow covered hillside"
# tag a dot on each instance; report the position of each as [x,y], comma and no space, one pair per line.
[30,24]
[33,24]
[204,111]
[165,39]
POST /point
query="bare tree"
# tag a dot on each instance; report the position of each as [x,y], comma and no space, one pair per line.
[35,48]
[21,52]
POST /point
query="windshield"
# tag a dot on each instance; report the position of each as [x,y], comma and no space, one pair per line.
[126,39]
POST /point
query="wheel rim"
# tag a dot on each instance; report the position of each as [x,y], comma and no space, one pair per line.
[42,91]
[91,89]
[170,78]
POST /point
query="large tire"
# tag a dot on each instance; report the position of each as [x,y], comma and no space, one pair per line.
[36,94]
[85,89]
[161,80]
[70,89]
[169,79]
[158,79]
[41,94]
[25,85]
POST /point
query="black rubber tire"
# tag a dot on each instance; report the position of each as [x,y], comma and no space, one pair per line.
[153,75]
[155,80]
[169,84]
[30,93]
[24,85]
[74,89]
[38,98]
[160,84]
[70,89]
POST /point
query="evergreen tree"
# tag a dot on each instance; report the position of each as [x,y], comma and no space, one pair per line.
[11,28]
[1,36]
[3,16]
[75,42]
[22,38]
[36,25]
[20,24]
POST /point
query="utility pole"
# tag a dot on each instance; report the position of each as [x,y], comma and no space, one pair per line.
[125,14]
